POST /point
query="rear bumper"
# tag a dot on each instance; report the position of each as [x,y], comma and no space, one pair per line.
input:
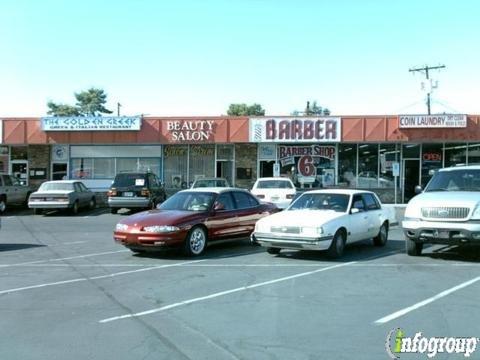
[128,202]
[291,242]
[49,204]
[442,232]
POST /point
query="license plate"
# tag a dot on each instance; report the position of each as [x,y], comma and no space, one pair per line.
[128,193]
[442,234]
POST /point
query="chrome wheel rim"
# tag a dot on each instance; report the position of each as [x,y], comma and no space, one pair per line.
[3,206]
[197,241]
[92,204]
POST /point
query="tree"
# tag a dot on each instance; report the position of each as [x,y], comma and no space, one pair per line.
[315,109]
[89,103]
[245,110]
[62,109]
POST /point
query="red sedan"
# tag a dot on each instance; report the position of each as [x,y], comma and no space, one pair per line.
[192,218]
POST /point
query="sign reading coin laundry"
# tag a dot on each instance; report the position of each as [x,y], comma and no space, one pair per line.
[433,121]
[315,129]
[91,123]
[200,130]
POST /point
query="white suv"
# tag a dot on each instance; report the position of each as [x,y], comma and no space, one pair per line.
[277,190]
[447,212]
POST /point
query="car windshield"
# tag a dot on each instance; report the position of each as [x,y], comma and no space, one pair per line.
[455,180]
[335,202]
[274,184]
[210,183]
[124,180]
[189,201]
[56,186]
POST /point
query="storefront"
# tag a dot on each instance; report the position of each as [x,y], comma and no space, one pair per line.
[386,154]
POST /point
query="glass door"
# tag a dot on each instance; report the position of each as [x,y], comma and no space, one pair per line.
[411,177]
[19,170]
[59,171]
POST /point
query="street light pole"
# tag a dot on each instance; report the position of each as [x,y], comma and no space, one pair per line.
[426,68]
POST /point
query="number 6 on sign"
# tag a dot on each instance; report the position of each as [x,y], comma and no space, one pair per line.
[306,167]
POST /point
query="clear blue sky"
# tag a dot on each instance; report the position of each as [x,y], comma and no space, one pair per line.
[194,57]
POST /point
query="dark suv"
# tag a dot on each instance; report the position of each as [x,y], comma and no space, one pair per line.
[135,190]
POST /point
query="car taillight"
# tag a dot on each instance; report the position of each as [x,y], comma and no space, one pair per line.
[290,196]
[145,192]
[260,196]
[112,193]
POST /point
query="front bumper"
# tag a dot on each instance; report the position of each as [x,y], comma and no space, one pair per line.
[291,242]
[150,241]
[442,232]
[49,204]
[128,202]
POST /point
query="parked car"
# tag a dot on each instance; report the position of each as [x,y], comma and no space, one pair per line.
[135,190]
[12,192]
[191,219]
[447,212]
[62,194]
[277,190]
[210,182]
[324,220]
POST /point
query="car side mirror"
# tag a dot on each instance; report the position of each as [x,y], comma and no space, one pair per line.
[354,210]
[418,189]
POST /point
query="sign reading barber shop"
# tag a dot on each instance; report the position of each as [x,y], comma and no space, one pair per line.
[433,121]
[299,129]
[91,123]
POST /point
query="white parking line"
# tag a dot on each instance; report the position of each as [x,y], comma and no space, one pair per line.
[9,291]
[222,293]
[406,310]
[66,258]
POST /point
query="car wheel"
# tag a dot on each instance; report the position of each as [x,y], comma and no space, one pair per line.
[25,203]
[113,210]
[337,246]
[196,241]
[74,209]
[92,204]
[3,205]
[413,248]
[381,238]
[274,251]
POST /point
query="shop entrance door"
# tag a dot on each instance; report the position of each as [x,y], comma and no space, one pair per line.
[266,168]
[411,178]
[19,170]
[59,171]
[225,170]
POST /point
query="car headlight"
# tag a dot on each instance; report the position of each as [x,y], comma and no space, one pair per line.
[312,231]
[121,227]
[476,213]
[160,229]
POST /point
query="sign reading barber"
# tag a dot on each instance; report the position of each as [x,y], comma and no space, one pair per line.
[91,123]
[304,129]
[433,121]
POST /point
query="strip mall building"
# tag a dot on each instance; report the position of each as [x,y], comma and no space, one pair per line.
[380,153]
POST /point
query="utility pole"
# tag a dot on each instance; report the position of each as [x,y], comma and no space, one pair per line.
[426,68]
[118,108]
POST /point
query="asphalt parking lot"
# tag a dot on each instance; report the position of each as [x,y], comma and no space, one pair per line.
[67,291]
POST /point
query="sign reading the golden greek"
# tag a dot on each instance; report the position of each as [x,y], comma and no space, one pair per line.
[433,121]
[190,130]
[304,129]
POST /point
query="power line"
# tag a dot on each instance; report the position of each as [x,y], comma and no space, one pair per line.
[426,68]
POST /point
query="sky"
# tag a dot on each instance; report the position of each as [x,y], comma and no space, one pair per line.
[195,57]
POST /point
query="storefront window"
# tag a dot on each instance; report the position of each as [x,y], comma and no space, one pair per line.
[432,160]
[19,153]
[367,166]
[82,168]
[202,162]
[389,154]
[4,159]
[455,154]
[347,165]
[175,167]
[126,165]
[152,165]
[308,165]
[411,151]
[473,154]
[103,168]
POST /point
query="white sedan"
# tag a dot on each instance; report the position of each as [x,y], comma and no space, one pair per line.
[324,220]
[277,190]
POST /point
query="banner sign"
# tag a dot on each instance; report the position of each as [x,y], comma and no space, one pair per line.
[91,123]
[433,121]
[301,129]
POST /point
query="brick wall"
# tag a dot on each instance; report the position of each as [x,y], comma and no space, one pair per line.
[245,158]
